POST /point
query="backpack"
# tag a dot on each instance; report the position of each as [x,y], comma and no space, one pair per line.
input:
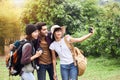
[13,60]
[79,59]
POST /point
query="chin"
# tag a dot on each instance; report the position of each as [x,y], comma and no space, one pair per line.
[35,37]
[46,34]
[59,37]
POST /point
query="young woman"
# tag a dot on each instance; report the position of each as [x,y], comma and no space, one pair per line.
[68,69]
[27,53]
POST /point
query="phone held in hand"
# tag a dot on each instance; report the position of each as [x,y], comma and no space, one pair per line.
[40,49]
[90,30]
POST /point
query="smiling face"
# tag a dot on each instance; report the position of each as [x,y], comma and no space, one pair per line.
[35,34]
[44,31]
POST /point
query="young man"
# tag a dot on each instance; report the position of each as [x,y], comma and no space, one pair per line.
[45,60]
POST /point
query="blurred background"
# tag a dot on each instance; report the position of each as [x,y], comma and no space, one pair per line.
[102,49]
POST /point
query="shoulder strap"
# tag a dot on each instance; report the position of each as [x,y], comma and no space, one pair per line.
[21,44]
[71,47]
[24,42]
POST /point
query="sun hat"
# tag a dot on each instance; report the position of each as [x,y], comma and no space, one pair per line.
[57,27]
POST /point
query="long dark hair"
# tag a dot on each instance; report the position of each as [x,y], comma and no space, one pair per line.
[29,37]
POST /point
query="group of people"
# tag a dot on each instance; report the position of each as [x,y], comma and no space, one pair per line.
[45,45]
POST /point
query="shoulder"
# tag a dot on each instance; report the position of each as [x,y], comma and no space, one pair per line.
[68,37]
[52,45]
[27,45]
[49,35]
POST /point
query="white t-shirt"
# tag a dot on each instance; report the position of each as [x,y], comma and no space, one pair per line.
[63,51]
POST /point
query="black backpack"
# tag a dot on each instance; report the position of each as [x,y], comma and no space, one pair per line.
[13,61]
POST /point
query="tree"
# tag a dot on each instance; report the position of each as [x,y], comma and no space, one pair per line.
[78,16]
[61,12]
[111,28]
[106,20]
[9,24]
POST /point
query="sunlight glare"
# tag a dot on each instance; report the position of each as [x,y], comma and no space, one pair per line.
[19,2]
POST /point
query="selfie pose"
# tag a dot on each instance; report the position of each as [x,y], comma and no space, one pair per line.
[67,67]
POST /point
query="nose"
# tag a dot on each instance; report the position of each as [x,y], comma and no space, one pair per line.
[46,30]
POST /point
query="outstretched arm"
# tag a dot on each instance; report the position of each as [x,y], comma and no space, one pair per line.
[72,40]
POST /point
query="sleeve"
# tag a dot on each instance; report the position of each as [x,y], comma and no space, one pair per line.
[68,37]
[26,54]
[52,47]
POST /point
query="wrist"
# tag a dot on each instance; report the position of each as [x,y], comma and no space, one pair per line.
[90,33]
[54,72]
[33,57]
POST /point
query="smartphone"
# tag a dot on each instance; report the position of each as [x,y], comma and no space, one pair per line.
[90,30]
[40,49]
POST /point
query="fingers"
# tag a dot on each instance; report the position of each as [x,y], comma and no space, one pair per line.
[38,53]
[55,76]
[91,30]
[11,46]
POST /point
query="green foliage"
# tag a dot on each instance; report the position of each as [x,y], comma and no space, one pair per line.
[106,40]
[37,10]
[111,28]
[61,12]
[78,16]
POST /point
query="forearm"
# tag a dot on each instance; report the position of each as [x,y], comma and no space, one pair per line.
[81,38]
[54,61]
[33,57]
[54,66]
[37,54]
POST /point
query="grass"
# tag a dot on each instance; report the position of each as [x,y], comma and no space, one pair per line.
[102,69]
[97,69]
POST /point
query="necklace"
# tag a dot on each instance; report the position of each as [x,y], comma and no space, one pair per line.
[59,43]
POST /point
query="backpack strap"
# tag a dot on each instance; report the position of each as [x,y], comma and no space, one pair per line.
[71,47]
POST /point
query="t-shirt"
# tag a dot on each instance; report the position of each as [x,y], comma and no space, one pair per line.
[45,58]
[63,51]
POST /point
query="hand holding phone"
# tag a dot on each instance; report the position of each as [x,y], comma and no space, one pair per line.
[38,53]
[90,30]
[40,49]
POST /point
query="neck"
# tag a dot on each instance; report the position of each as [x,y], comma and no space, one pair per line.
[58,39]
[42,37]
